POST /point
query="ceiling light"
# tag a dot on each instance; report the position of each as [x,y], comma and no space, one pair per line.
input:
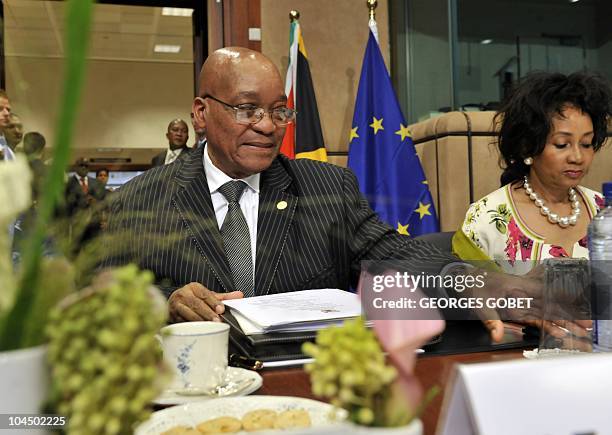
[162,48]
[574,1]
[177,12]
[486,41]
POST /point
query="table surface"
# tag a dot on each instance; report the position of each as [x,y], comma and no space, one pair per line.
[430,370]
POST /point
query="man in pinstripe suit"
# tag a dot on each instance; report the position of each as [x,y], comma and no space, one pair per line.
[308,225]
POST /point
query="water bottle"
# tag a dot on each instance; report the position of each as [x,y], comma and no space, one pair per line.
[600,254]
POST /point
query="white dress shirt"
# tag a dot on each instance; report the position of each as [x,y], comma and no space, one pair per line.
[172,155]
[8,152]
[249,201]
[82,180]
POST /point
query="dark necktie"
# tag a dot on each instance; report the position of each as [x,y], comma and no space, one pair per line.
[236,238]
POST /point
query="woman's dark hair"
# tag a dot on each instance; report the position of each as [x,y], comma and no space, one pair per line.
[525,118]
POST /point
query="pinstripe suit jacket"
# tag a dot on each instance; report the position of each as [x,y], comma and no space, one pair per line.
[164,221]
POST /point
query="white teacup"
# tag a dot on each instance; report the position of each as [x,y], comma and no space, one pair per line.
[197,354]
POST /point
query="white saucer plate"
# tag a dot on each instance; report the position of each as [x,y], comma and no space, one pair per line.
[234,374]
[323,417]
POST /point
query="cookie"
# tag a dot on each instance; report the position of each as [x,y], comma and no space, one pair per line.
[181,430]
[220,425]
[258,420]
[293,419]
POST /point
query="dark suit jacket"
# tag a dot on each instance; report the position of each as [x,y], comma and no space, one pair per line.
[160,158]
[76,199]
[165,222]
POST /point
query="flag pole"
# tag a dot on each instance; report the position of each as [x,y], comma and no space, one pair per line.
[372,21]
[372,8]
[294,16]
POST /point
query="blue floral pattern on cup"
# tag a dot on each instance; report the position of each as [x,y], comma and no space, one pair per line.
[183,361]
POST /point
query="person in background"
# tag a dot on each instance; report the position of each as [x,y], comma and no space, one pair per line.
[33,147]
[13,132]
[200,133]
[177,135]
[5,115]
[82,191]
[84,200]
[102,177]
[550,131]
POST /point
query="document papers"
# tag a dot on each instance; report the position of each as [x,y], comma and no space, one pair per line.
[301,311]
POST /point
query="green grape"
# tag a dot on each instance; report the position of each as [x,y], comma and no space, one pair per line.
[318,389]
[346,395]
[365,416]
[113,372]
[96,422]
[350,370]
[134,372]
[75,382]
[345,358]
[330,389]
[310,349]
[104,354]
[113,426]
[347,379]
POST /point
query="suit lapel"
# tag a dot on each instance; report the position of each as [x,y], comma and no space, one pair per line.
[276,210]
[194,205]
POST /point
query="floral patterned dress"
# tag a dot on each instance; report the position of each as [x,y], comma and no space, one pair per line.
[494,230]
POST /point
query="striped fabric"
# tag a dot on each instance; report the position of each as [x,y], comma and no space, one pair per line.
[314,229]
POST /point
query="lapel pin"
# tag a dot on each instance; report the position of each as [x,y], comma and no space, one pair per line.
[281,205]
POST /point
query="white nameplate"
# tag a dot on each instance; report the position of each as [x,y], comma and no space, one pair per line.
[565,395]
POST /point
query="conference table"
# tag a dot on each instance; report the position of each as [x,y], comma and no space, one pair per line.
[430,370]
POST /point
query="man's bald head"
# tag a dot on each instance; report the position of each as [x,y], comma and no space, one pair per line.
[224,67]
[177,134]
[176,121]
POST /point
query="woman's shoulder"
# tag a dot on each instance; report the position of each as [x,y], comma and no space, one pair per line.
[493,210]
[493,200]
[593,196]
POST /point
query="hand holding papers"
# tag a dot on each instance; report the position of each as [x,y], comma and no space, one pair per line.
[307,310]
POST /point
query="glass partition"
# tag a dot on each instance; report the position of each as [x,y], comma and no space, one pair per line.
[468,54]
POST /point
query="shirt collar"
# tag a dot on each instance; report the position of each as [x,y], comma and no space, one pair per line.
[217,178]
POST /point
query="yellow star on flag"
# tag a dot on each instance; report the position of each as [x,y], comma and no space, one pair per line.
[423,210]
[353,134]
[425,182]
[377,124]
[403,229]
[403,132]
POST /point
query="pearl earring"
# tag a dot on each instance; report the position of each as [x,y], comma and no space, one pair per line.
[528,161]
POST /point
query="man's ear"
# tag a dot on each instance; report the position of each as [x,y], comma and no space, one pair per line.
[198,108]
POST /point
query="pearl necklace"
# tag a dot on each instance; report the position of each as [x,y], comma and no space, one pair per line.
[554,218]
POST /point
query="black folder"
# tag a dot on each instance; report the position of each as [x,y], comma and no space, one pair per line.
[275,346]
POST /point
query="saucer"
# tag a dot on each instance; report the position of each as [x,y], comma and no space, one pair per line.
[169,397]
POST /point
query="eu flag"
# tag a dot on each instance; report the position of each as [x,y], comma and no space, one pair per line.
[382,154]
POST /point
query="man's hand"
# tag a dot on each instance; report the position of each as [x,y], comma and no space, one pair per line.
[195,302]
[529,286]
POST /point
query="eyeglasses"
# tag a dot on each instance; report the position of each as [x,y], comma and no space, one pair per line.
[249,114]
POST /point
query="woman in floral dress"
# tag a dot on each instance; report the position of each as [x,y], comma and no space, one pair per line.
[550,130]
